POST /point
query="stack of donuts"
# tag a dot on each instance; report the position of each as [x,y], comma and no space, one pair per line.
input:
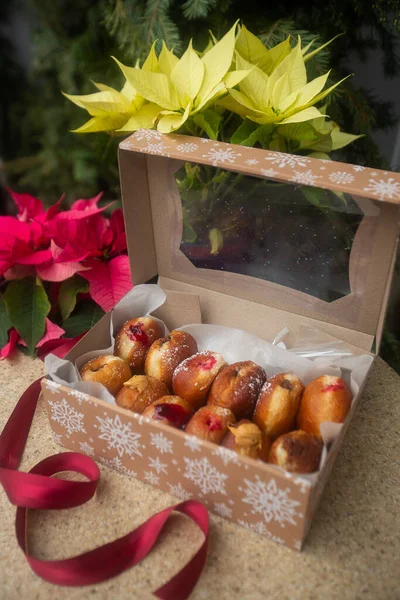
[276,420]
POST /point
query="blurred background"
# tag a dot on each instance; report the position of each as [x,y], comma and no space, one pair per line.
[51,45]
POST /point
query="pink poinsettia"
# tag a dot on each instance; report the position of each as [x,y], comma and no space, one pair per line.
[54,246]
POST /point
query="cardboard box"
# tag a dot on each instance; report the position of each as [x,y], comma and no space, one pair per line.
[256,495]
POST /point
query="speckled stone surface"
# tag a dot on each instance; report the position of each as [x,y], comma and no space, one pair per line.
[352,550]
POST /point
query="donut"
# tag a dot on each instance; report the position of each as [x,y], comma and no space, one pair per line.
[277,404]
[327,398]
[139,392]
[210,423]
[247,439]
[111,371]
[134,339]
[237,387]
[193,378]
[165,354]
[171,410]
[296,452]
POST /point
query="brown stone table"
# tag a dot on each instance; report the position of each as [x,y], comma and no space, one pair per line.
[352,551]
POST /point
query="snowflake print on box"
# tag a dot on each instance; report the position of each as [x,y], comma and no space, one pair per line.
[158,466]
[86,448]
[341,177]
[161,442]
[158,148]
[147,134]
[179,492]
[271,501]
[287,160]
[52,386]
[116,464]
[304,177]
[187,147]
[193,443]
[205,476]
[223,510]
[220,156]
[119,435]
[226,455]
[80,396]
[151,478]
[388,188]
[67,416]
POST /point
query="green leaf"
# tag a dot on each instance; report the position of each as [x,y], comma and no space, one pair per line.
[84,318]
[209,121]
[69,290]
[5,322]
[249,133]
[216,238]
[188,235]
[27,307]
[298,132]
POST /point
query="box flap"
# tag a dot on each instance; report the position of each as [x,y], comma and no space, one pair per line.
[154,222]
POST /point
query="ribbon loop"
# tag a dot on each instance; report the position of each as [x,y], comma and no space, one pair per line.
[38,489]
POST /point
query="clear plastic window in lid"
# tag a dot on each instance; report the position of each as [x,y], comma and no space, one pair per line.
[291,234]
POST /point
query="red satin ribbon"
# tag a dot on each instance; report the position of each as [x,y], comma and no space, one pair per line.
[37,489]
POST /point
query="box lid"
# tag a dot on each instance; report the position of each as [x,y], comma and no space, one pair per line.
[149,163]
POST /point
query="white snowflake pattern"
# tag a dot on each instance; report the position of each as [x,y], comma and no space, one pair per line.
[179,491]
[119,435]
[80,396]
[86,448]
[193,443]
[205,141]
[220,156]
[269,172]
[358,168]
[157,148]
[303,484]
[388,188]
[223,510]
[258,527]
[341,177]
[205,476]
[187,147]
[147,134]
[271,501]
[287,160]
[67,416]
[226,455]
[161,442]
[251,162]
[157,465]
[57,438]
[151,478]
[117,464]
[304,177]
[52,386]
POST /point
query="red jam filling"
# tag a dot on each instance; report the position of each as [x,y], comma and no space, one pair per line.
[214,423]
[175,414]
[334,387]
[207,364]
[137,334]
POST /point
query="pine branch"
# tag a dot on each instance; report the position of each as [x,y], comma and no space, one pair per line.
[198,9]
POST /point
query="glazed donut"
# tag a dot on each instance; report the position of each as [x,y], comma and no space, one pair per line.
[109,370]
[327,398]
[277,404]
[139,392]
[247,439]
[134,339]
[210,423]
[171,410]
[296,452]
[165,354]
[194,376]
[237,387]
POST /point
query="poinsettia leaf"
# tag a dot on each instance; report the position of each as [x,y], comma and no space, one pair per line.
[109,281]
[5,322]
[59,347]
[52,332]
[27,307]
[28,206]
[58,271]
[68,292]
[209,121]
[84,318]
[249,134]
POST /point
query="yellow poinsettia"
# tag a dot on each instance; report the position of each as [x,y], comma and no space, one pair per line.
[184,87]
[278,92]
[110,110]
